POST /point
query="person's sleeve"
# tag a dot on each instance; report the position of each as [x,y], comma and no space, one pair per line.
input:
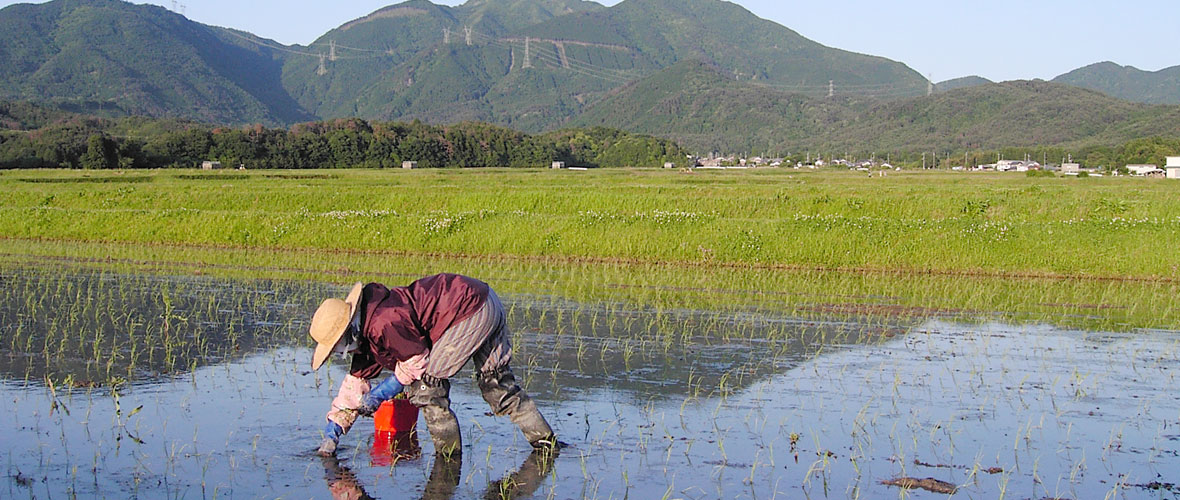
[344,407]
[379,394]
[411,369]
[364,365]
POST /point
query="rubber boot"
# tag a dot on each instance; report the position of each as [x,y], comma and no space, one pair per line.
[506,398]
[432,395]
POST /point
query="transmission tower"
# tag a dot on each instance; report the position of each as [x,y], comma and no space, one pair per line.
[831,88]
[528,63]
[322,70]
[332,50]
[929,84]
[467,34]
[446,36]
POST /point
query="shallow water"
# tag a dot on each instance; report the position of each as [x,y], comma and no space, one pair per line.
[817,409]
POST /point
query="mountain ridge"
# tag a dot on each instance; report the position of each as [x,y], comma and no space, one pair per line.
[695,104]
[535,66]
[138,60]
[1127,82]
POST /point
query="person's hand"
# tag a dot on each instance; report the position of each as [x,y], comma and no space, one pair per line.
[327,448]
[332,433]
[383,392]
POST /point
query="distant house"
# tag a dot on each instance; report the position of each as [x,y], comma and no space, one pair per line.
[1017,165]
[1145,170]
[1173,167]
[210,165]
[409,165]
[669,164]
[1006,165]
[557,165]
[1071,168]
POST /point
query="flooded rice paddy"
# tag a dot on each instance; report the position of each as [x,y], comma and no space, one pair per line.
[118,385]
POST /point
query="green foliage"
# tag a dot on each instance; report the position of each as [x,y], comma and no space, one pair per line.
[101,153]
[706,110]
[114,58]
[344,143]
[1128,82]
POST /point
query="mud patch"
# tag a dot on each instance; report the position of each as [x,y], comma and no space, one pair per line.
[928,484]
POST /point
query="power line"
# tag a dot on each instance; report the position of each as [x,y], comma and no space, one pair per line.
[567,62]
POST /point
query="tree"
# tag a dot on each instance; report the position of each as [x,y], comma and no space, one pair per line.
[101,153]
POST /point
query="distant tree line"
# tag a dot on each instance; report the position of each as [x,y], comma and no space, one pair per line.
[92,143]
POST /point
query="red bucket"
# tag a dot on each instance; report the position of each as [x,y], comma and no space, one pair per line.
[395,415]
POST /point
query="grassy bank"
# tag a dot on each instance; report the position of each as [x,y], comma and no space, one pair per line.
[988,224]
[740,301]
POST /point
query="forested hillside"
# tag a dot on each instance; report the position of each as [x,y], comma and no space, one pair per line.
[114,58]
[1128,82]
[696,104]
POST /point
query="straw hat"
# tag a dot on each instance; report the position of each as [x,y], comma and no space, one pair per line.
[331,321]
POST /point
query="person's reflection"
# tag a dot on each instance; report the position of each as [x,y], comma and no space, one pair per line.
[525,481]
[342,483]
[445,475]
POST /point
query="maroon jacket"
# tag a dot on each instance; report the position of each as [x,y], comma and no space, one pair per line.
[399,323]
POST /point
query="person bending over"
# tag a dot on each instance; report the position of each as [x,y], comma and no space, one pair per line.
[423,333]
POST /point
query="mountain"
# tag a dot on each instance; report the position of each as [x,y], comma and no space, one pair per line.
[535,64]
[112,57]
[1127,82]
[958,83]
[530,64]
[707,73]
[697,104]
[701,106]
[659,33]
[504,16]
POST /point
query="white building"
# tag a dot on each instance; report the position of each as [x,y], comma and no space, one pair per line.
[1173,167]
[1144,170]
[1071,168]
[1017,165]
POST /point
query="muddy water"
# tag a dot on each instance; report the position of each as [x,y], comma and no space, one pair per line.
[816,409]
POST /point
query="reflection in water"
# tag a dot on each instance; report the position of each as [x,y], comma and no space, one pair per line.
[103,328]
[390,447]
[672,402]
[445,476]
[95,328]
[342,482]
[525,481]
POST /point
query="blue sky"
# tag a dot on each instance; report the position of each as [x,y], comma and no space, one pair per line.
[943,39]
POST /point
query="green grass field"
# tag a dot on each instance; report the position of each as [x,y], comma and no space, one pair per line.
[995,224]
